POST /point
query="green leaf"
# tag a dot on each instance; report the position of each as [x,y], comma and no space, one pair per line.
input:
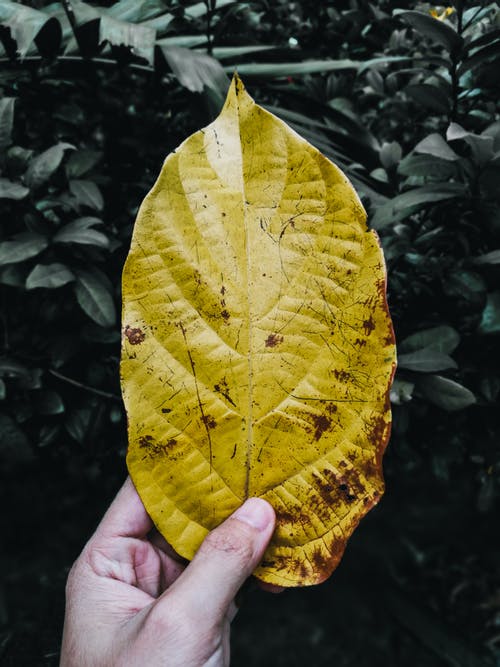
[48,402]
[401,391]
[199,9]
[390,154]
[440,339]
[50,276]
[10,190]
[140,39]
[94,298]
[492,257]
[26,24]
[13,275]
[186,41]
[12,369]
[490,319]
[427,166]
[426,361]
[26,246]
[227,52]
[136,11]
[6,120]
[465,285]
[431,97]
[18,159]
[195,70]
[426,25]
[274,70]
[407,203]
[486,54]
[79,231]
[482,146]
[81,162]
[15,447]
[436,146]
[87,194]
[445,393]
[44,165]
[77,423]
[382,61]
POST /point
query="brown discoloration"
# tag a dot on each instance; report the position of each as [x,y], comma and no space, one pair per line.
[209,421]
[225,315]
[377,430]
[368,326]
[360,342]
[342,376]
[322,423]
[135,336]
[320,560]
[370,469]
[326,491]
[222,388]
[146,441]
[292,564]
[153,448]
[292,516]
[273,340]
[333,486]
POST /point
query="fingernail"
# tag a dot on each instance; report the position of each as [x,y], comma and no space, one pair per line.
[255,512]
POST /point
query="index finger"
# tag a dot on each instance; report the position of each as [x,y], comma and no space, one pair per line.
[126,516]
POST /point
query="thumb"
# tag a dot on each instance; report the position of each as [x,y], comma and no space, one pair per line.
[226,558]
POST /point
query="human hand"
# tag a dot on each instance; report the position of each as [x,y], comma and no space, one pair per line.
[129,603]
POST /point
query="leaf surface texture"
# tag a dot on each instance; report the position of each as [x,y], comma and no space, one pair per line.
[257,345]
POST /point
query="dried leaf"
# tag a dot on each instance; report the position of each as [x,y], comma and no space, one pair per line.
[257,345]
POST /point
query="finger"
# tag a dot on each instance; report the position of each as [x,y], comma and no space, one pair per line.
[224,561]
[270,588]
[126,516]
[161,543]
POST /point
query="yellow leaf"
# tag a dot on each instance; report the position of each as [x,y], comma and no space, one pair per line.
[441,15]
[258,348]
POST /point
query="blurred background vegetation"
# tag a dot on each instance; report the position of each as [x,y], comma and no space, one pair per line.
[405,100]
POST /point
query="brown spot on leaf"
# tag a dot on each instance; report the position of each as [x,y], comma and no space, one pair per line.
[346,485]
[320,561]
[146,441]
[154,448]
[293,516]
[378,430]
[322,423]
[342,376]
[225,315]
[209,421]
[360,342]
[223,388]
[273,340]
[135,336]
[368,326]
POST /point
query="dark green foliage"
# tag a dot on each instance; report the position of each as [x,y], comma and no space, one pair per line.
[406,104]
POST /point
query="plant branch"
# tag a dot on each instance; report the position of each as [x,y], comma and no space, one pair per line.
[85,387]
[70,13]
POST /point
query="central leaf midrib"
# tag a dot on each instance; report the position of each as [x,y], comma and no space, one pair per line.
[249,317]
